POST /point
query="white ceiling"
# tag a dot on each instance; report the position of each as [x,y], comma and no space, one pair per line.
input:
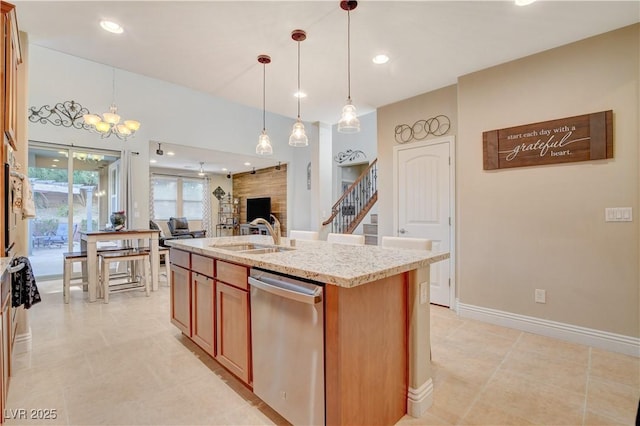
[212,46]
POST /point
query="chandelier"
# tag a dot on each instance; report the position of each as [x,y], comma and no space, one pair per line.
[349,122]
[109,124]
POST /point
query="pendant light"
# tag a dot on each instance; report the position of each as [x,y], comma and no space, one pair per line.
[264,144]
[298,136]
[201,172]
[349,122]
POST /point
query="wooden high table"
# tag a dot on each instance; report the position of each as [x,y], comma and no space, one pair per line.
[145,237]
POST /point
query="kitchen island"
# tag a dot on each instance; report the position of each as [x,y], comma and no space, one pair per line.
[376,329]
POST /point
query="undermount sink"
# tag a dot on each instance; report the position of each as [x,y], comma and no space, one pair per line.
[250,248]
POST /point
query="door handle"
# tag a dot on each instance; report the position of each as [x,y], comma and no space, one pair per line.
[402,231]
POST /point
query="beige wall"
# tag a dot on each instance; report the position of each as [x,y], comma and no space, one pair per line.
[422,107]
[542,227]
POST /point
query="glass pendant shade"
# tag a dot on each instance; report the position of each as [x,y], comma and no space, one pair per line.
[123,130]
[132,125]
[91,119]
[298,136]
[349,122]
[103,127]
[264,144]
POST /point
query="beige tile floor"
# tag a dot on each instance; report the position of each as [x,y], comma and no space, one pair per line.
[125,364]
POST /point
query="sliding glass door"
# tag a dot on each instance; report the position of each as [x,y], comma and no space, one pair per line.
[71,188]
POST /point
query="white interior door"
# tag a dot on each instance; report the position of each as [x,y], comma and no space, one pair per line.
[424,204]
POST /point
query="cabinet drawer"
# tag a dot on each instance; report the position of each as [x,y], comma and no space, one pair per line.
[180,258]
[202,265]
[231,273]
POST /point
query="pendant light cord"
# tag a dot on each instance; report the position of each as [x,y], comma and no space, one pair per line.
[298,80]
[264,94]
[349,53]
[113,86]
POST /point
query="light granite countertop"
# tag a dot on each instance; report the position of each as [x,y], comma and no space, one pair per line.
[331,263]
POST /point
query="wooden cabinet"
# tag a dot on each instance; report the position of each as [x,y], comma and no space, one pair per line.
[181,298]
[202,312]
[210,304]
[11,59]
[232,338]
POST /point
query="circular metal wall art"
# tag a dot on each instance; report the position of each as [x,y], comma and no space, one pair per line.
[436,126]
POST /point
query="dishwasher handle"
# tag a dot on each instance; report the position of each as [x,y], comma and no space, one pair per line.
[310,299]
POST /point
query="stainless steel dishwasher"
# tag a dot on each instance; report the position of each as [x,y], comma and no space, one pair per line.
[287,338]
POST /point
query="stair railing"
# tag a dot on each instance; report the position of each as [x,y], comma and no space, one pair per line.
[355,203]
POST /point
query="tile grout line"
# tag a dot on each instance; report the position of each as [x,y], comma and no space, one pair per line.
[586,390]
[484,386]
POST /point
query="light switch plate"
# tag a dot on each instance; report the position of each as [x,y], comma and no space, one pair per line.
[618,214]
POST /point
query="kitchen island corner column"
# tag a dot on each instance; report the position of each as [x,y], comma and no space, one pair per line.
[420,391]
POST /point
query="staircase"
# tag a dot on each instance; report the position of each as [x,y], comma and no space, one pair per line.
[371,231]
[356,202]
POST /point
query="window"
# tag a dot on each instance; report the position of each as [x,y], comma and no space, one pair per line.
[177,197]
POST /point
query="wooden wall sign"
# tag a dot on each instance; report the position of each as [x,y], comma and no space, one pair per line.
[580,138]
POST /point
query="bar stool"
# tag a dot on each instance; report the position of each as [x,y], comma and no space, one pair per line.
[356,240]
[142,257]
[69,259]
[406,243]
[164,255]
[303,235]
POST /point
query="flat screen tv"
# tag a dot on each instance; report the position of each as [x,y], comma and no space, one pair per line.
[258,207]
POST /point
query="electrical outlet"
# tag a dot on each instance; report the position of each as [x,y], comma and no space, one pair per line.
[424,293]
[541,296]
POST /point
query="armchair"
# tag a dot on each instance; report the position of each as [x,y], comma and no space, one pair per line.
[179,226]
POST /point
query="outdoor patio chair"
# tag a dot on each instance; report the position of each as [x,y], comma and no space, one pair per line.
[61,236]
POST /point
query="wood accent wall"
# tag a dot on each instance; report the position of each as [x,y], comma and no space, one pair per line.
[267,182]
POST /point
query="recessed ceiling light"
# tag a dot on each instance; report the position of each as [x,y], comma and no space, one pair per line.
[300,94]
[111,26]
[171,153]
[152,161]
[523,2]
[247,164]
[380,59]
[224,169]
[54,165]
[62,152]
[55,160]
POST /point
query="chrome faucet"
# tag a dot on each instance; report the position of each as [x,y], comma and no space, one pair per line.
[273,231]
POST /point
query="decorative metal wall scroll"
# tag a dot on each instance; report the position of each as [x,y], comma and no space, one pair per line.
[436,126]
[66,114]
[348,155]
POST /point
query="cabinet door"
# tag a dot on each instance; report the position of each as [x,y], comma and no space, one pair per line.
[12,60]
[232,325]
[202,312]
[181,299]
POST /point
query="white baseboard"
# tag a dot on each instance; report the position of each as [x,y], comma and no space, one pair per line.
[22,342]
[419,400]
[572,333]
